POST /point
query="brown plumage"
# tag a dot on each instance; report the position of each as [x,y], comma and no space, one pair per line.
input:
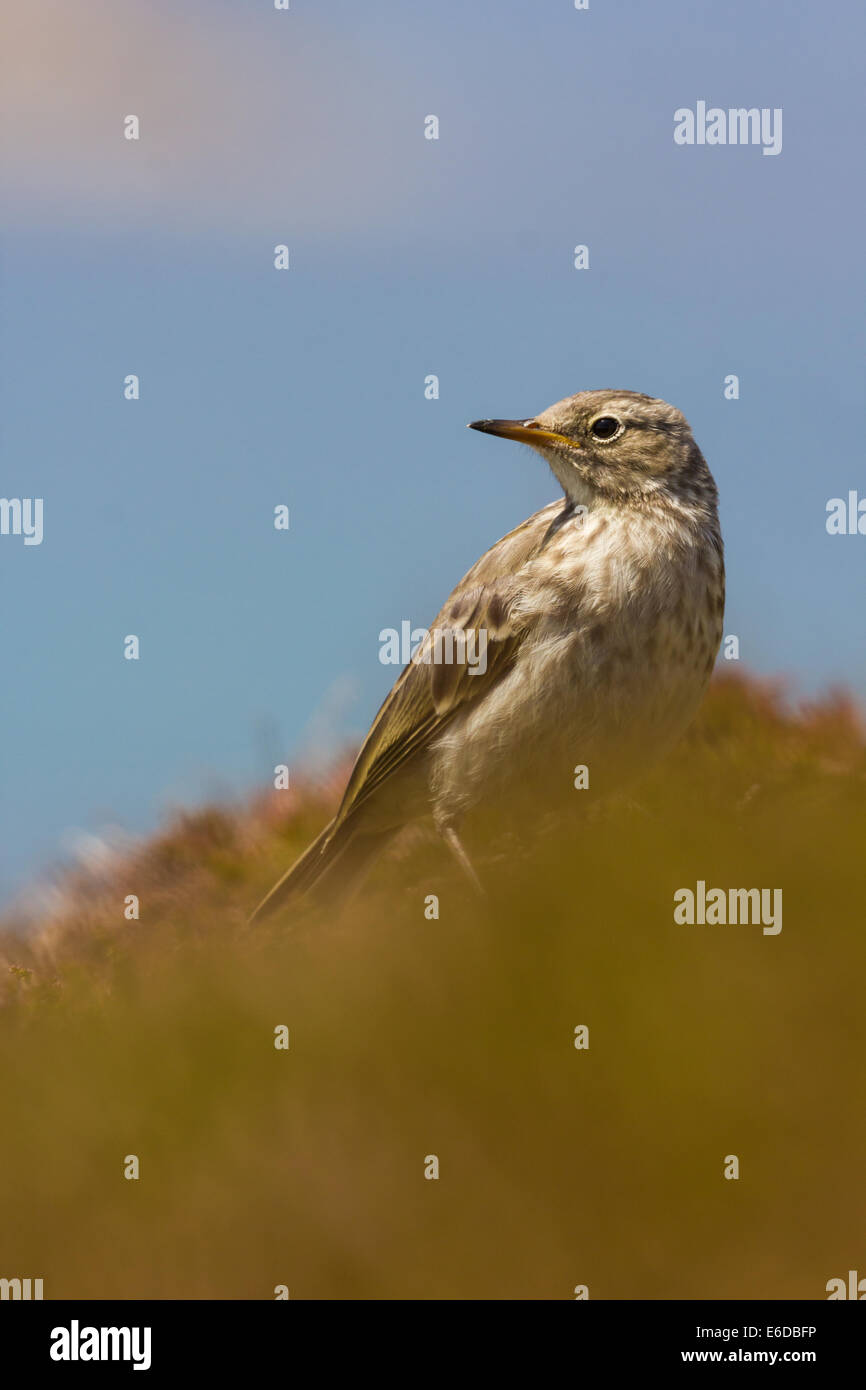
[600,618]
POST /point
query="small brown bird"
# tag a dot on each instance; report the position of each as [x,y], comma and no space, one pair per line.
[584,637]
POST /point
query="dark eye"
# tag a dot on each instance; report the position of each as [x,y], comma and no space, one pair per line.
[605,427]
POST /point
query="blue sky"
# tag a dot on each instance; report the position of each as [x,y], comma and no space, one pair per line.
[408,257]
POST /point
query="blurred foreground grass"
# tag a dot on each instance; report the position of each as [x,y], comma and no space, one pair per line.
[454,1037]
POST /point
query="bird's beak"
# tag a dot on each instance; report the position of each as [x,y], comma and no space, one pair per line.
[524,431]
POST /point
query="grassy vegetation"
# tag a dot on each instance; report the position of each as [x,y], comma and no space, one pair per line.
[454,1037]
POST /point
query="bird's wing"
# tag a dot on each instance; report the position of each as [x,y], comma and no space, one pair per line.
[428,694]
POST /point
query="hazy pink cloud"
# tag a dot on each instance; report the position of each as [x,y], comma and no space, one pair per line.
[249,121]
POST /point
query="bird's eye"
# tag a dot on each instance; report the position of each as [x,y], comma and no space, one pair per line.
[605,427]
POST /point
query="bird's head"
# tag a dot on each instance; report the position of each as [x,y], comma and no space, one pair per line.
[618,444]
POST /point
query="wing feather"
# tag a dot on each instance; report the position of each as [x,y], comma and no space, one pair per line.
[428,693]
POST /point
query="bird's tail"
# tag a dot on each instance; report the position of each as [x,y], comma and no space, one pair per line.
[327,870]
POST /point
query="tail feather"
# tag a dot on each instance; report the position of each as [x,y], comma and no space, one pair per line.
[327,870]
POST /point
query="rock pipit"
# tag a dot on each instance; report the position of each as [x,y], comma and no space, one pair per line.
[599,620]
